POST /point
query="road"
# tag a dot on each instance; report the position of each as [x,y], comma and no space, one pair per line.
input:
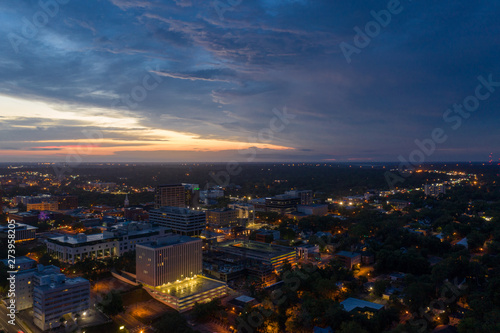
[8,327]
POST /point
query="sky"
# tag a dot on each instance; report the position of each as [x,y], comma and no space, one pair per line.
[248,80]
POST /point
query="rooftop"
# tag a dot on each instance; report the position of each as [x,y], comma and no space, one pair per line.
[178,210]
[79,240]
[244,299]
[258,247]
[83,238]
[169,240]
[19,226]
[347,254]
[354,303]
[67,282]
[20,260]
[189,287]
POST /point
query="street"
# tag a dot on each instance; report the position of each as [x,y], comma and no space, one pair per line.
[8,327]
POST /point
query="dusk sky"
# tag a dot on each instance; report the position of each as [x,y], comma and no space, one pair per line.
[246,80]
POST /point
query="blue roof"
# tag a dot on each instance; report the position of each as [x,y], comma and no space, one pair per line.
[354,303]
[20,260]
[347,254]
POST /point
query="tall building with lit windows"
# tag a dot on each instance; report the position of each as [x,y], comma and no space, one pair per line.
[183,221]
[168,259]
[173,195]
[170,271]
[54,296]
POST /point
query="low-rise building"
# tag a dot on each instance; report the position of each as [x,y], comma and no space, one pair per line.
[24,217]
[348,259]
[111,243]
[320,210]
[19,263]
[261,254]
[308,250]
[222,218]
[23,232]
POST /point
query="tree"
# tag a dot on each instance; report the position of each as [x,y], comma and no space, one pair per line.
[173,320]
[379,287]
[203,311]
[351,326]
[112,304]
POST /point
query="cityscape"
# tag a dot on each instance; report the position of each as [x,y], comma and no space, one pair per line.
[249,166]
[95,252]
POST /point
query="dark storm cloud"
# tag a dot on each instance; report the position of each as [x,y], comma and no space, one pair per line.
[222,75]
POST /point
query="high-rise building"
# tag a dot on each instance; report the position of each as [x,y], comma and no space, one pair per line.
[67,202]
[305,196]
[192,193]
[222,218]
[282,204]
[168,259]
[26,280]
[182,221]
[173,195]
[54,296]
[434,189]
[170,269]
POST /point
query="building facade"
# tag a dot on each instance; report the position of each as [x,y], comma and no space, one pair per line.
[46,205]
[23,232]
[348,259]
[168,259]
[181,221]
[173,195]
[57,296]
[282,204]
[434,190]
[305,196]
[112,243]
[261,254]
[222,218]
[170,271]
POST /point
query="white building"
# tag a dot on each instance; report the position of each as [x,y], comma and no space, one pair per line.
[182,221]
[56,296]
[26,280]
[170,271]
[112,243]
[245,211]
